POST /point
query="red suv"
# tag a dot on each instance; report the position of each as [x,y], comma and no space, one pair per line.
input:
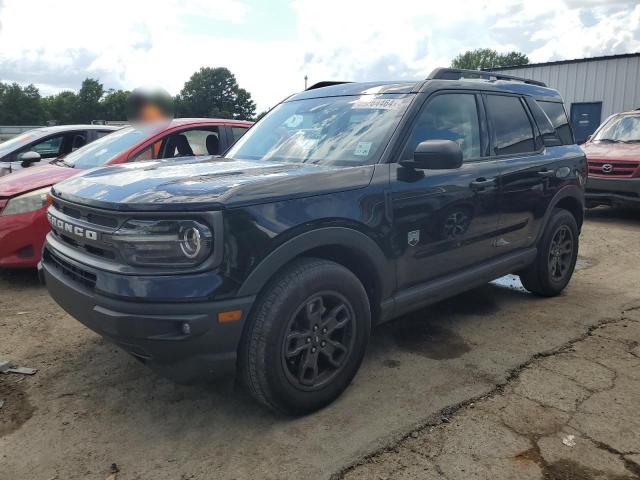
[23,195]
[613,153]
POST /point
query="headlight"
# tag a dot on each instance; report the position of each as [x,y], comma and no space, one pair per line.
[29,202]
[169,243]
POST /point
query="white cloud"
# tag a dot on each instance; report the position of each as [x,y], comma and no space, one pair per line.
[161,43]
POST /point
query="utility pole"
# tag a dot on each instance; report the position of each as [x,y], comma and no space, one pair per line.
[305,81]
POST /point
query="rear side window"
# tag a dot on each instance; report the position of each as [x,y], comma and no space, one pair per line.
[102,133]
[511,125]
[557,115]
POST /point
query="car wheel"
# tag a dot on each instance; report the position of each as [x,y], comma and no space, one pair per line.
[556,259]
[306,337]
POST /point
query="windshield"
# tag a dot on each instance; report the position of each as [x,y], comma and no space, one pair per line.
[106,148]
[21,140]
[350,130]
[625,129]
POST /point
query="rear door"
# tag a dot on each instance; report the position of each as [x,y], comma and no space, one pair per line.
[445,220]
[528,179]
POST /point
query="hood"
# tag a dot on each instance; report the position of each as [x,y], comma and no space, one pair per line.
[612,151]
[33,178]
[209,183]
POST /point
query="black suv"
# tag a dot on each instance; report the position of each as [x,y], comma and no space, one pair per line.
[346,206]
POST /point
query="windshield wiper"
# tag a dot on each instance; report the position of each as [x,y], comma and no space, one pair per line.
[612,140]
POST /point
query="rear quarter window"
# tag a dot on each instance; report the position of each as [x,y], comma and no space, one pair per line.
[550,137]
[556,113]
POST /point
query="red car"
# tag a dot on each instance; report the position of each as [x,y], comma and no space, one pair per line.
[24,194]
[613,154]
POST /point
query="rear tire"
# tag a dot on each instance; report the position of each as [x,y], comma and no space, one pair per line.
[306,337]
[556,259]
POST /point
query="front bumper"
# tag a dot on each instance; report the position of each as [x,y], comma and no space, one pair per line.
[613,191]
[180,341]
[21,238]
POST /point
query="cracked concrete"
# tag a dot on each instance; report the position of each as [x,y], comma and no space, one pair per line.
[584,390]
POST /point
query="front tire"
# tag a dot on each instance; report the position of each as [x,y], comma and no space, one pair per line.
[553,267]
[306,337]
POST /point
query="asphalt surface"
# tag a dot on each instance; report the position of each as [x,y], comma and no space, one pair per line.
[90,405]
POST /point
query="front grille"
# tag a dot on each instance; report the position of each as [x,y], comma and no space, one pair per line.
[88,219]
[76,274]
[618,169]
[86,215]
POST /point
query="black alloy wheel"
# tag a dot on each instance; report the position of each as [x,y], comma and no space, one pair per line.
[561,253]
[318,341]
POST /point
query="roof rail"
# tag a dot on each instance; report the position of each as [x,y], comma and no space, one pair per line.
[325,83]
[459,73]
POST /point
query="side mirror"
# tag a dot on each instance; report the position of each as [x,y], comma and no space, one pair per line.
[435,155]
[27,158]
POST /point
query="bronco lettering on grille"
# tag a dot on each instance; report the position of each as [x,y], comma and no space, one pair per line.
[67,227]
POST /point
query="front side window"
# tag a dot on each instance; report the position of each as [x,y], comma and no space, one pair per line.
[512,128]
[49,148]
[450,116]
[104,149]
[345,131]
[620,129]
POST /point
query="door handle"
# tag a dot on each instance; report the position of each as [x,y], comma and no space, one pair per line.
[482,182]
[547,173]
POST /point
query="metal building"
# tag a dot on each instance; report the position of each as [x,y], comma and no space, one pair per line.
[592,88]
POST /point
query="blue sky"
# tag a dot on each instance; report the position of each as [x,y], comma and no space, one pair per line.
[271,45]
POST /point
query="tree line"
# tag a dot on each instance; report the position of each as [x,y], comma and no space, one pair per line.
[209,92]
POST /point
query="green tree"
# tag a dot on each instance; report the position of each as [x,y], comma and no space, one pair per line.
[261,114]
[60,109]
[486,58]
[20,106]
[114,105]
[214,92]
[88,106]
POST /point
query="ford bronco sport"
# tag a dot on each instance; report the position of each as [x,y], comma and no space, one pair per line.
[346,206]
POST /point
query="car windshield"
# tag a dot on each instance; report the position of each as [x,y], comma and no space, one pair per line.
[106,148]
[21,140]
[624,129]
[348,131]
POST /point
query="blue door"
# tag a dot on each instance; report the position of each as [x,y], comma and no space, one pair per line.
[585,118]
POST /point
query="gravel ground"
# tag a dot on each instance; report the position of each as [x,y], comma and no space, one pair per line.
[494,383]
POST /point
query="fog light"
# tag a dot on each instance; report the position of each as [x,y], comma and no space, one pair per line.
[186,328]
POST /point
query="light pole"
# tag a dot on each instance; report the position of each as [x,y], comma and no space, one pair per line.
[305,81]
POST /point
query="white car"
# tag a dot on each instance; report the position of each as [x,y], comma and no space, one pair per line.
[43,145]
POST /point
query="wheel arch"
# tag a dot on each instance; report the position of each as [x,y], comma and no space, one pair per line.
[570,198]
[349,247]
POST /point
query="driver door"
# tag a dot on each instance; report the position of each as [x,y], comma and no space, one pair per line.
[445,220]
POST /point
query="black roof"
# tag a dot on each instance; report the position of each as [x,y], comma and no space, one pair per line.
[564,62]
[444,77]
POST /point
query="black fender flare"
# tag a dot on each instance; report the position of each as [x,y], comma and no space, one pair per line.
[572,191]
[350,238]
